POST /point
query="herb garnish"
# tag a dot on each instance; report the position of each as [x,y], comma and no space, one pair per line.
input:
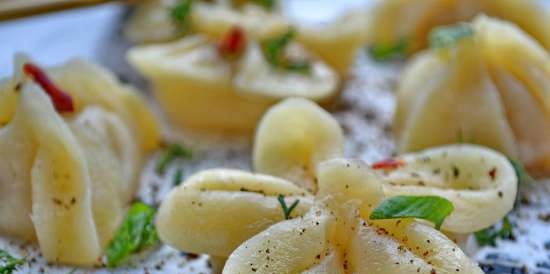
[489,235]
[267,4]
[274,51]
[173,152]
[287,210]
[178,177]
[389,51]
[431,208]
[136,232]
[180,13]
[446,36]
[9,264]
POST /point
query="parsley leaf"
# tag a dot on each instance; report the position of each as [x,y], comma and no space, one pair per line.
[274,51]
[389,51]
[489,235]
[9,264]
[446,36]
[267,4]
[432,208]
[178,177]
[173,152]
[136,232]
[180,13]
[287,210]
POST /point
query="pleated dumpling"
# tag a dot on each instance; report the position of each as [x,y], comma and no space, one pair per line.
[490,87]
[225,86]
[410,21]
[69,165]
[336,235]
[164,20]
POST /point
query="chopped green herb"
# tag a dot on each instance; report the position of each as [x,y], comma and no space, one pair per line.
[178,177]
[136,232]
[389,51]
[489,235]
[267,4]
[432,208]
[172,153]
[274,50]
[9,264]
[287,210]
[180,13]
[446,36]
[521,173]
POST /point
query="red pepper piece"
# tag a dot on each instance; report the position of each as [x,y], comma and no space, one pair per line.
[62,101]
[388,164]
[232,43]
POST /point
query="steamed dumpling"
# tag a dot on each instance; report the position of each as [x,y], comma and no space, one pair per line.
[490,88]
[152,21]
[294,136]
[336,236]
[201,89]
[67,177]
[412,20]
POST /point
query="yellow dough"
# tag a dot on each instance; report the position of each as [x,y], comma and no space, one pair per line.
[65,179]
[490,89]
[412,20]
[337,42]
[201,90]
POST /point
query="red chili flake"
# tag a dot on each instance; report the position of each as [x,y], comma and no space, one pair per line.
[233,43]
[388,164]
[62,101]
[493,173]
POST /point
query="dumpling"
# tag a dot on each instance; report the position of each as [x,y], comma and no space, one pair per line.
[295,136]
[489,88]
[336,235]
[69,164]
[203,86]
[337,42]
[412,20]
[152,20]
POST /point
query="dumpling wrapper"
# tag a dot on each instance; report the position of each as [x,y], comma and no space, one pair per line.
[412,20]
[66,178]
[488,89]
[214,211]
[199,89]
